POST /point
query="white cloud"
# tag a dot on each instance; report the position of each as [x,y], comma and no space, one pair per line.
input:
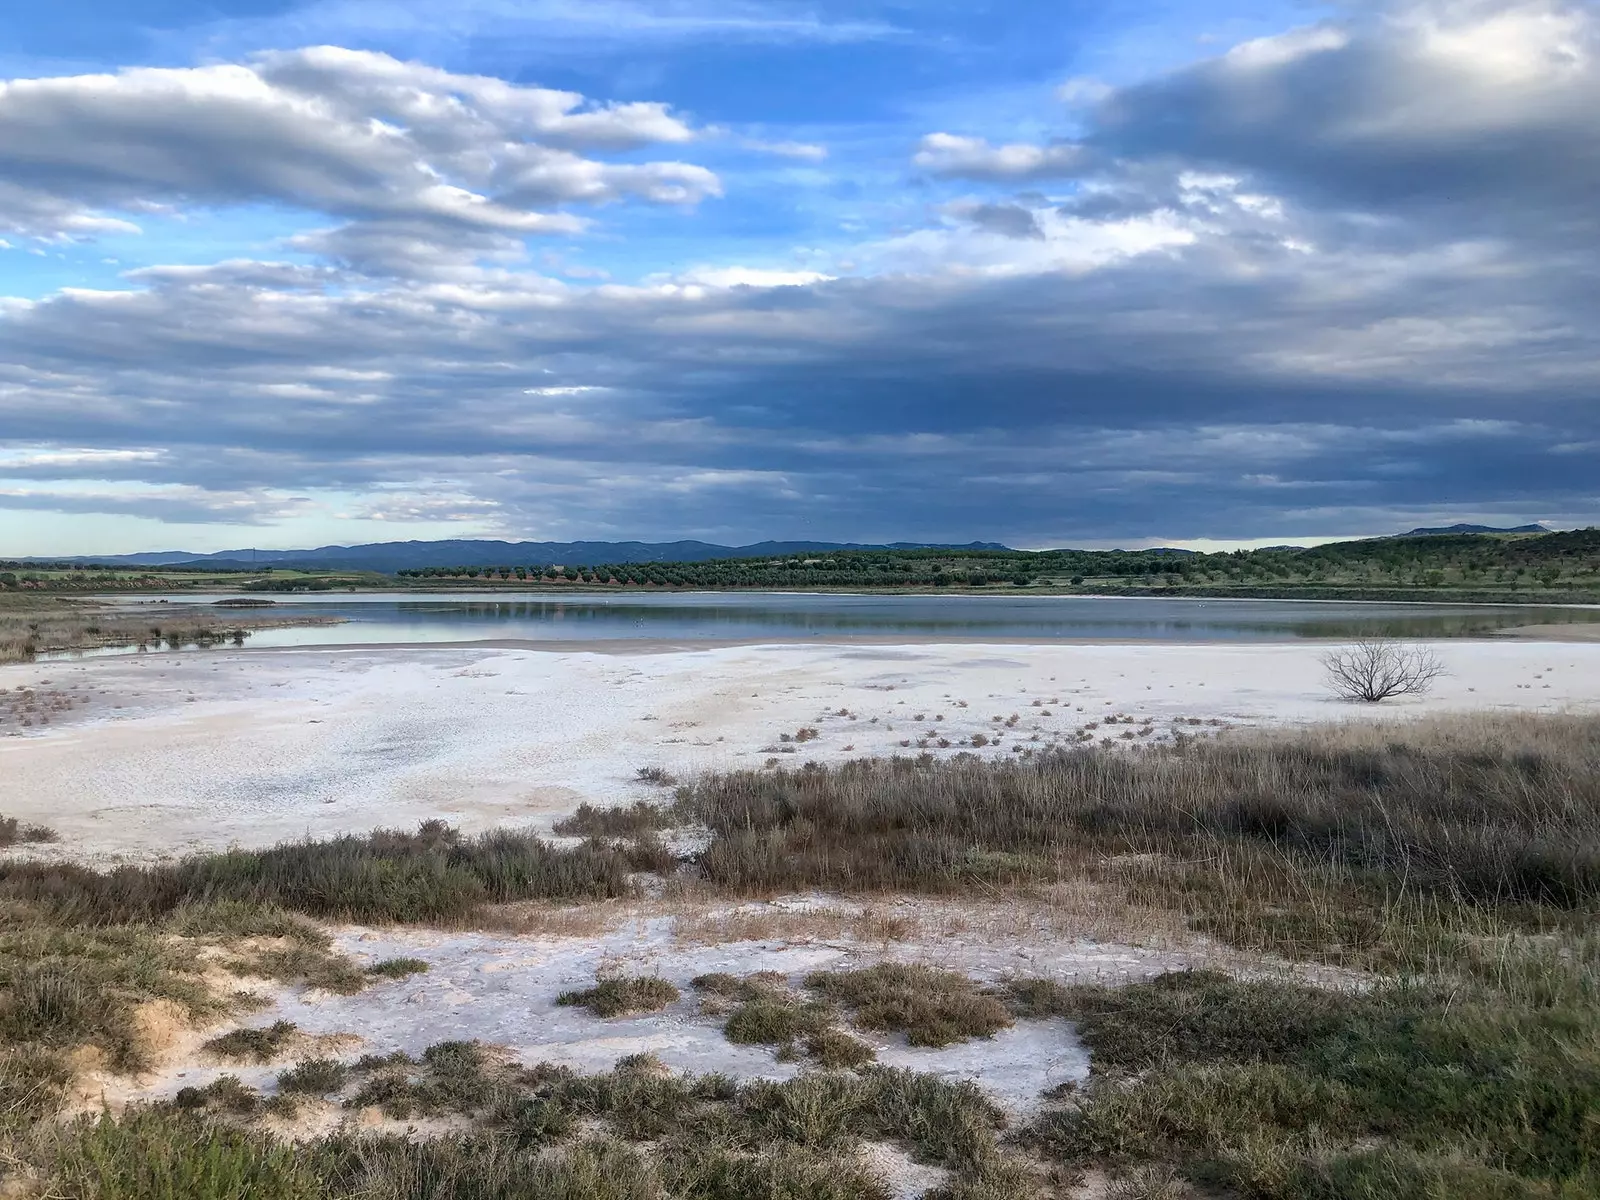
[352,134]
[975,158]
[805,151]
[753,277]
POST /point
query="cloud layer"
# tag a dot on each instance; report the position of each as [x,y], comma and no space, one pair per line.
[1330,281]
[398,149]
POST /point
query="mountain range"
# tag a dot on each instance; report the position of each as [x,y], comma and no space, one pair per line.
[389,557]
[1476,529]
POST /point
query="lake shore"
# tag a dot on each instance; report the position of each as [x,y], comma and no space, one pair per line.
[146,757]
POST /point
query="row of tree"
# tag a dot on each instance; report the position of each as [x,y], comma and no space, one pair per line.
[1469,561]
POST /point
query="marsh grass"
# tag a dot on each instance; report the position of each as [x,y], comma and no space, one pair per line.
[931,1007]
[314,1076]
[1374,847]
[545,1131]
[83,952]
[1283,1090]
[622,995]
[1455,861]
[763,1011]
[397,968]
[434,874]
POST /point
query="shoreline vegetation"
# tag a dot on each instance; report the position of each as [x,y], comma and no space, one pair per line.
[1443,875]
[1546,568]
[38,623]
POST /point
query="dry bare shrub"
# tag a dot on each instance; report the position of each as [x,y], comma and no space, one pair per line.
[1377,669]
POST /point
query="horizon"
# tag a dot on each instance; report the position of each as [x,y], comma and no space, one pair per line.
[293,273]
[1199,546]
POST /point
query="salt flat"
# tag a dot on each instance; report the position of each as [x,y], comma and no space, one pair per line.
[169,753]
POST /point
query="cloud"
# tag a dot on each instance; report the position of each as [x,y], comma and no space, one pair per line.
[1008,220]
[567,26]
[750,277]
[805,151]
[957,157]
[401,150]
[1486,111]
[1335,281]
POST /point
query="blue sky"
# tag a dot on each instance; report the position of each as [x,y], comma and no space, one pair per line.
[291,273]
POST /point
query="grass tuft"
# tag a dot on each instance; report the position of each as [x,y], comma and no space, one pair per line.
[253,1045]
[314,1076]
[620,995]
[931,1007]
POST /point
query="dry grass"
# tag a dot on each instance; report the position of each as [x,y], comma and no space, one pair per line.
[1359,846]
[635,1133]
[633,821]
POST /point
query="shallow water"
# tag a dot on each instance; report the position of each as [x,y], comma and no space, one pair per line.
[384,618]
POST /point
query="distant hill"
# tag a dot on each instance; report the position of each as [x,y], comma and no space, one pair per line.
[1476,529]
[388,557]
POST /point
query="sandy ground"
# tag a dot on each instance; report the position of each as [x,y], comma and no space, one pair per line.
[141,758]
[163,754]
[502,990]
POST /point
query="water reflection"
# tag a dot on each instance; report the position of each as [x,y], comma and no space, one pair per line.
[377,618]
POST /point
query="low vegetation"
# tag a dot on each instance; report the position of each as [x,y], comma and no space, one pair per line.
[435,874]
[1474,824]
[630,821]
[253,1045]
[1281,1090]
[1528,567]
[762,1011]
[636,1132]
[1448,871]
[14,833]
[34,622]
[84,954]
[931,1007]
[621,995]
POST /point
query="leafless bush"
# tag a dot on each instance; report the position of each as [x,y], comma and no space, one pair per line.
[1376,669]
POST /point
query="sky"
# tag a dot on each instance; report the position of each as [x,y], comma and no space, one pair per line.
[287,273]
